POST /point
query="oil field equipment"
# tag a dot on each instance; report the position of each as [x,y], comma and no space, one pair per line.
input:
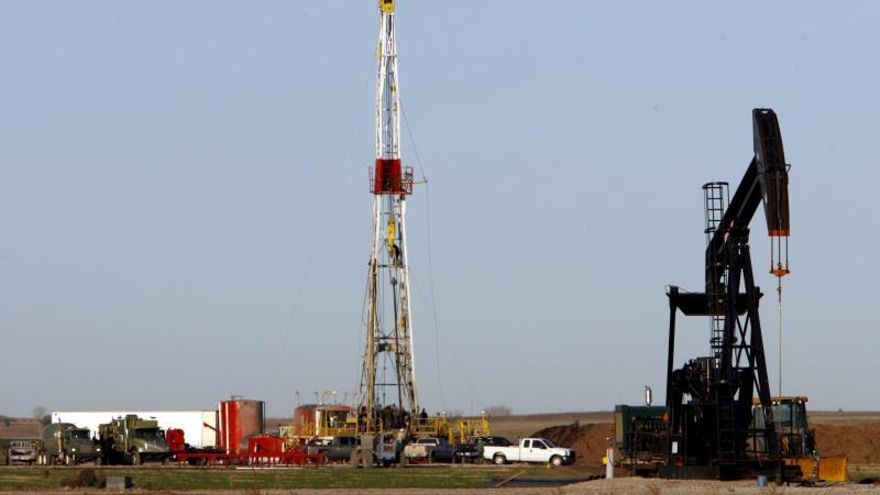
[240,419]
[639,437]
[386,410]
[797,442]
[387,399]
[320,421]
[709,400]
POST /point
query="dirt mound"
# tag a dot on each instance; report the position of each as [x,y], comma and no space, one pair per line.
[860,443]
[590,440]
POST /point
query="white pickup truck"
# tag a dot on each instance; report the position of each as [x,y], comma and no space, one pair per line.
[530,450]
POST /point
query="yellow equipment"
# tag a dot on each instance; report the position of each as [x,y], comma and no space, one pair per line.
[822,468]
[798,442]
[386,5]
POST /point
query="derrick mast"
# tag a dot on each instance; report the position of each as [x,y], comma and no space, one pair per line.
[387,397]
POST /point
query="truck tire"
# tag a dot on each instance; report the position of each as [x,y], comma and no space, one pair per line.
[98,461]
[499,459]
[556,461]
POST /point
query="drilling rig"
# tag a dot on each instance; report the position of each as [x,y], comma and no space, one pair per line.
[387,399]
[709,400]
[387,412]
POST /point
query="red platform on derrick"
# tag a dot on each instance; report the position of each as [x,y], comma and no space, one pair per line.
[390,177]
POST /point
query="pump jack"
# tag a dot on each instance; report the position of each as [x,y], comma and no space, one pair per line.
[709,401]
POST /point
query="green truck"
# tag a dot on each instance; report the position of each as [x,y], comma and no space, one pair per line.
[132,440]
[64,443]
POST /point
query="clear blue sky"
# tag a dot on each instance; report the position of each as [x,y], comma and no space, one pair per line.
[185,212]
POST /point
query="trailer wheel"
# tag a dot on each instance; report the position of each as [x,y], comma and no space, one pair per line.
[556,461]
[499,459]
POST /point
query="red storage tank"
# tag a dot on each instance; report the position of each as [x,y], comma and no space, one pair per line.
[304,420]
[240,419]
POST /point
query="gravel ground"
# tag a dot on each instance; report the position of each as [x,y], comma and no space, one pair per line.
[644,486]
[622,486]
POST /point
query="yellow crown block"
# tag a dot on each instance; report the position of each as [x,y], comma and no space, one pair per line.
[386,5]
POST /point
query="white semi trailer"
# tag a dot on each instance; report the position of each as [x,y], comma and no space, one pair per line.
[199,427]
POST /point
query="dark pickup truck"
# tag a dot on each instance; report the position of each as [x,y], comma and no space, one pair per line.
[473,452]
[334,448]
